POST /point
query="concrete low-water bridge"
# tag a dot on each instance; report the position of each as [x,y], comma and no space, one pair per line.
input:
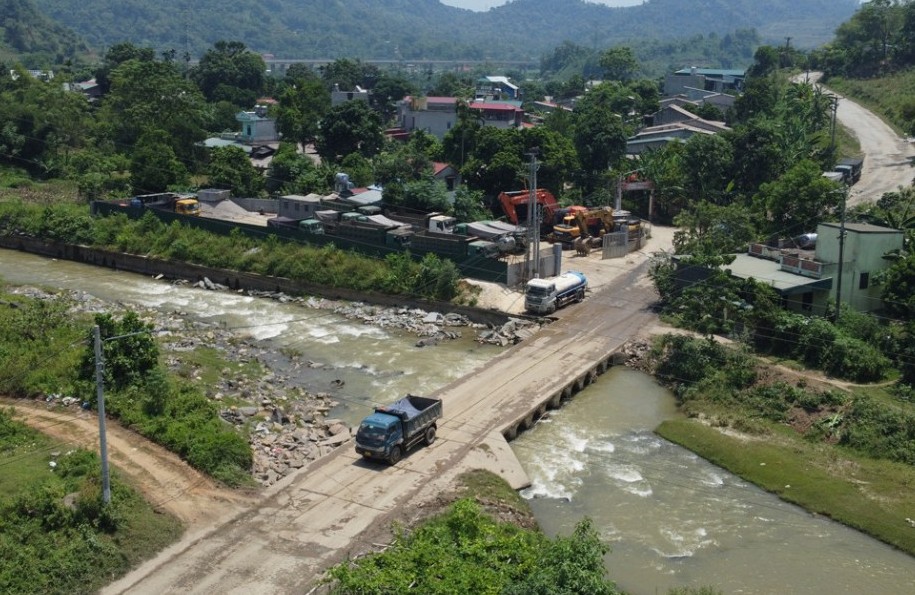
[326,511]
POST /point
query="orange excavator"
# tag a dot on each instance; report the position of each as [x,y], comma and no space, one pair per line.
[515,204]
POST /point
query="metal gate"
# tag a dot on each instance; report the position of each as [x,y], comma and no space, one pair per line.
[616,244]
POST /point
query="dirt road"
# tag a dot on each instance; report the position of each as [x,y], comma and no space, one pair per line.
[889,158]
[168,483]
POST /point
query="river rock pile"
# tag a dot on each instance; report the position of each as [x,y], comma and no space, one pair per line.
[636,352]
[287,436]
[431,327]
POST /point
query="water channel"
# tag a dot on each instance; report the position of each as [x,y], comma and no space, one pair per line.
[671,518]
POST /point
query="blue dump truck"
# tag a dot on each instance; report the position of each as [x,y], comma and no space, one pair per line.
[392,430]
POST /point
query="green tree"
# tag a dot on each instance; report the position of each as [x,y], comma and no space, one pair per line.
[300,109]
[758,153]
[600,136]
[230,168]
[899,289]
[425,195]
[708,161]
[496,161]
[148,96]
[230,72]
[351,127]
[556,157]
[117,55]
[572,565]
[154,167]
[796,202]
[765,61]
[619,64]
[707,229]
[388,90]
[301,73]
[129,351]
[759,98]
[41,126]
[343,73]
[451,84]
[468,205]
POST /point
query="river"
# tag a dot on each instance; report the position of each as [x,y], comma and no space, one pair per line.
[359,365]
[672,518]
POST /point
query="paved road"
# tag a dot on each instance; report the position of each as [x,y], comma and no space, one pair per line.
[889,158]
[321,514]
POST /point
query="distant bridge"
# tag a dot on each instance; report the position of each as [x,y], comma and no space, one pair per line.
[281,65]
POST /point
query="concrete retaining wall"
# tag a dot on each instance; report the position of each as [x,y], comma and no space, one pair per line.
[171,269]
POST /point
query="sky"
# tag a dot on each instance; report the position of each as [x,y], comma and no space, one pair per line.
[487,4]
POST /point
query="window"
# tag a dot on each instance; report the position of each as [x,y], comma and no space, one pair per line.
[807,303]
[864,281]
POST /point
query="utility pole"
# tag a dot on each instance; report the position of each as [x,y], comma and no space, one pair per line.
[100,393]
[533,219]
[841,255]
[835,109]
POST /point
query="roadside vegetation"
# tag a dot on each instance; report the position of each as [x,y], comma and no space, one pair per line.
[482,541]
[872,59]
[891,96]
[57,535]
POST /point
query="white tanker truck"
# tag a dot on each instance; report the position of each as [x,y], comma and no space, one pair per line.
[545,296]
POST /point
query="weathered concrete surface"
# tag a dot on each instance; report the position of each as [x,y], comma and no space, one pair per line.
[319,514]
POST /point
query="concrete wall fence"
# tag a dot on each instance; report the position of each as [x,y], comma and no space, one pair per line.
[475,267]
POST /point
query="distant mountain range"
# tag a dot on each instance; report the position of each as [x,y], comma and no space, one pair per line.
[412,29]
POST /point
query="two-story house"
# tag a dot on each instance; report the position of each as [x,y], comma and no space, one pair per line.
[808,280]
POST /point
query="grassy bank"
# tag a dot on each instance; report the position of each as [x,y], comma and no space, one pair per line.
[891,97]
[45,349]
[848,455]
[55,535]
[871,495]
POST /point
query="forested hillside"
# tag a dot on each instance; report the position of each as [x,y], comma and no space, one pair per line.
[33,37]
[411,29]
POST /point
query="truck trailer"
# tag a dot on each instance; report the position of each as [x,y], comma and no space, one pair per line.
[545,296]
[394,429]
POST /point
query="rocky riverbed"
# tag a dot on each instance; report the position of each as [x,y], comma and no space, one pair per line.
[259,391]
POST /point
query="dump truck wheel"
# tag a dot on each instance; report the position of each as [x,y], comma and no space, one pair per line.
[396,455]
[430,435]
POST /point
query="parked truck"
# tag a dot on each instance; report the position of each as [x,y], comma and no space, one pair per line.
[545,296]
[850,169]
[168,201]
[391,431]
